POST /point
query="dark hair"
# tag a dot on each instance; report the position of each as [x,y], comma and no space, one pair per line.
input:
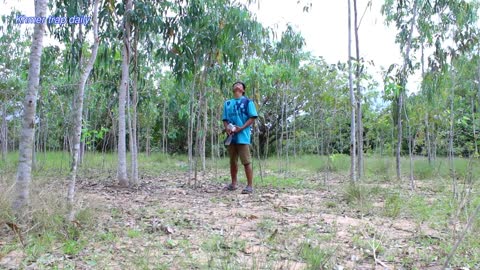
[243,85]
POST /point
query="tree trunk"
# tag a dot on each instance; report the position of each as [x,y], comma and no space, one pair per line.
[147,143]
[197,139]
[190,133]
[4,133]
[434,150]
[24,169]
[315,134]
[212,136]
[402,91]
[410,149]
[285,130]
[359,125]
[474,127]
[294,128]
[429,144]
[204,131]
[134,114]
[130,133]
[399,137]
[353,176]
[164,126]
[122,155]
[450,143]
[77,115]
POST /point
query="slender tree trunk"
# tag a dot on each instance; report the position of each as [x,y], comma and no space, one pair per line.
[410,149]
[147,141]
[212,136]
[315,134]
[284,124]
[122,155]
[402,92]
[477,97]
[130,133]
[353,176]
[24,169]
[359,125]
[287,139]
[204,132]
[190,132]
[197,139]
[4,132]
[450,143]
[134,113]
[427,135]
[164,126]
[77,115]
[474,126]
[294,128]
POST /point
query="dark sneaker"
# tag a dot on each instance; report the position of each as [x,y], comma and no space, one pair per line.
[247,190]
[230,187]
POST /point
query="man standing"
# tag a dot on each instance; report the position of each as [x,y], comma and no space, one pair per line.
[238,115]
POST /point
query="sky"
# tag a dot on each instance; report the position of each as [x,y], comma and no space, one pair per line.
[324,28]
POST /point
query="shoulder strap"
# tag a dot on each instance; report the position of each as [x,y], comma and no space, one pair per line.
[245,102]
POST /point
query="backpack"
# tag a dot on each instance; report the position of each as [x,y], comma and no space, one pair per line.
[245,101]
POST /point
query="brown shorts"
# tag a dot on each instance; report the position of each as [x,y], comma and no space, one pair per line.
[239,150]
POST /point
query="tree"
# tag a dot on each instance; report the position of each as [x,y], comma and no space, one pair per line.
[353,148]
[78,111]
[122,94]
[28,127]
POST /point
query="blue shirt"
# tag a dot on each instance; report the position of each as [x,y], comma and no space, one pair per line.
[237,112]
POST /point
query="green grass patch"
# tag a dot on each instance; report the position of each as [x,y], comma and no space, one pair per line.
[355,193]
[132,233]
[379,168]
[316,257]
[219,244]
[73,247]
[393,205]
[422,170]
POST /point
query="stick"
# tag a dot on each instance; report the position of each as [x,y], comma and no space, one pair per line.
[462,236]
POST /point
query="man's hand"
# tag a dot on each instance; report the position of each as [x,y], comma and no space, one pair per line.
[237,129]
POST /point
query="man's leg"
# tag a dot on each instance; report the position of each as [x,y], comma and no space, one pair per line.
[249,174]
[244,153]
[233,153]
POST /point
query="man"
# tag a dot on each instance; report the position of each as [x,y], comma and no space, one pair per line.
[238,115]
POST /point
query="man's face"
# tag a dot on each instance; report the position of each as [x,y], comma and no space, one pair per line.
[238,90]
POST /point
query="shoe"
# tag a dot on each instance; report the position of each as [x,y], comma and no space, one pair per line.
[230,187]
[247,190]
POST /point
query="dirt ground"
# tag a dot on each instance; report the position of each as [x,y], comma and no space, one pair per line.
[166,224]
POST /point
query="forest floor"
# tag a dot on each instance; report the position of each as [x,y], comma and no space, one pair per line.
[306,220]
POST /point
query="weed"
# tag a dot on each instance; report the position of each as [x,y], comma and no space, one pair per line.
[132,233]
[331,205]
[379,168]
[316,257]
[266,225]
[419,208]
[219,244]
[73,247]
[393,205]
[355,193]
[108,237]
[422,170]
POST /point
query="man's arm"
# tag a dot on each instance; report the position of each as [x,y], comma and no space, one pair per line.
[247,124]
